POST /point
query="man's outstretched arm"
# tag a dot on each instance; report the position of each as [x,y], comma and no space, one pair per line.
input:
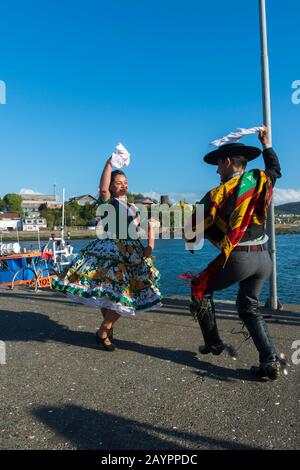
[272,164]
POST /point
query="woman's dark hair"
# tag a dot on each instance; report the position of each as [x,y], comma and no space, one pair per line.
[238,161]
[114,174]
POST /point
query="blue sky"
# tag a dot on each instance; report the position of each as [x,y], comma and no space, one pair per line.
[162,77]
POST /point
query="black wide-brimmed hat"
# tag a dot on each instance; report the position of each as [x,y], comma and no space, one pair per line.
[232,150]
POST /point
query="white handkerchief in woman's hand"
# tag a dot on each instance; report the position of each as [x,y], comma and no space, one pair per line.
[121,157]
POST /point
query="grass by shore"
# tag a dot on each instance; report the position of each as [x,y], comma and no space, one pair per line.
[8,236]
[46,234]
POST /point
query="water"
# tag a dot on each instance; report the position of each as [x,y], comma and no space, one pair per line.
[172,260]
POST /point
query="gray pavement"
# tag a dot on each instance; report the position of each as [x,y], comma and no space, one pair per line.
[58,391]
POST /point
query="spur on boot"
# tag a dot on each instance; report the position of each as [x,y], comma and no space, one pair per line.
[272,370]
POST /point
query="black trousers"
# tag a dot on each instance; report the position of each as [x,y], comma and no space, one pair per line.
[249,269]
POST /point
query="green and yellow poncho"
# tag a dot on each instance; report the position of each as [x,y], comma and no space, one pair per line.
[228,211]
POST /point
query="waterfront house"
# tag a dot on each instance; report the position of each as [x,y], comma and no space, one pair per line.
[30,224]
[10,221]
[82,200]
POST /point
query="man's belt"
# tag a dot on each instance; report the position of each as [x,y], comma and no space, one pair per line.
[262,247]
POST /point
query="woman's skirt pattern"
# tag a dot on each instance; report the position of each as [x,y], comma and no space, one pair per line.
[112,274]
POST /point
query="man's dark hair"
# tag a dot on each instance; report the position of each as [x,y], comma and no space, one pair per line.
[238,161]
[114,174]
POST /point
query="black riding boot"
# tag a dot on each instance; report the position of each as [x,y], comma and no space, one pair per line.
[257,328]
[270,363]
[204,312]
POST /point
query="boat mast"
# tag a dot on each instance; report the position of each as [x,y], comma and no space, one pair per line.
[63,215]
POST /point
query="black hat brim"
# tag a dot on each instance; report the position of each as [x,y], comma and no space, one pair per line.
[247,151]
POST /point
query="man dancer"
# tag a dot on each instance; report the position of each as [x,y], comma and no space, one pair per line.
[234,221]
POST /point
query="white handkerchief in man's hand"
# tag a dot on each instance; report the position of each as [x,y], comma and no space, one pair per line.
[121,157]
[235,136]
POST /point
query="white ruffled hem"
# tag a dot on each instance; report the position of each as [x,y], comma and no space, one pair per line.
[104,302]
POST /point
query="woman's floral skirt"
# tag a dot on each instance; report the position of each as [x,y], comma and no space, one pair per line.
[112,274]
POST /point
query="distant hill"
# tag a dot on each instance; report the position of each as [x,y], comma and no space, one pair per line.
[289,208]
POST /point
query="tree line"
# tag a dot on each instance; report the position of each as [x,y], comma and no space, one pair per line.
[75,214]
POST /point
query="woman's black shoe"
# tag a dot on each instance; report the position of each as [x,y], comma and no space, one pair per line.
[107,347]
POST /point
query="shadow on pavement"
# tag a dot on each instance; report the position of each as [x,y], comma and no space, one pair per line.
[29,326]
[96,430]
[189,359]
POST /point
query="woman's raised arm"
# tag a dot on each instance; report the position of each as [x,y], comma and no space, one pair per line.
[105,181]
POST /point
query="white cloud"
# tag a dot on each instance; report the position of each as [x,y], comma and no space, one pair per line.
[283,196]
[28,191]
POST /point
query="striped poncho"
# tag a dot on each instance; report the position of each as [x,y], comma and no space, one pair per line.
[228,211]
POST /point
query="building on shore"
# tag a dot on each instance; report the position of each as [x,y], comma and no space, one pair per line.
[293,219]
[164,199]
[82,200]
[31,203]
[10,221]
[31,224]
[183,205]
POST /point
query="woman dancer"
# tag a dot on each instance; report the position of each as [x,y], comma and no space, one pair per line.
[114,274]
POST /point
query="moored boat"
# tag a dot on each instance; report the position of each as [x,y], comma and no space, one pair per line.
[34,268]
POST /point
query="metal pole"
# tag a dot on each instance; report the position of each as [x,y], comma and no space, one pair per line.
[39,240]
[266,101]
